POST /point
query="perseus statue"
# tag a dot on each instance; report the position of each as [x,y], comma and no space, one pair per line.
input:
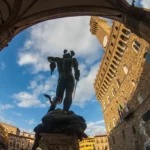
[66,79]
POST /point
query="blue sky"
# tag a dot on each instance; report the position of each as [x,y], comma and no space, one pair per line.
[25,74]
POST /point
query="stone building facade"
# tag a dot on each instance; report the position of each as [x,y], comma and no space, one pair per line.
[101,142]
[87,144]
[122,86]
[18,140]
[3,137]
[10,128]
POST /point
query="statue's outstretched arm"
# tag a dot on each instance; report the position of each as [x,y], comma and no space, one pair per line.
[52,59]
[76,69]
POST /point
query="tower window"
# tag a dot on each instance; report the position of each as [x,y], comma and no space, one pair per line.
[126,32]
[112,44]
[122,44]
[116,28]
[136,45]
[114,36]
[112,66]
[114,62]
[116,58]
[118,54]
[107,58]
[125,69]
[111,71]
[120,50]
[109,75]
[123,38]
[107,79]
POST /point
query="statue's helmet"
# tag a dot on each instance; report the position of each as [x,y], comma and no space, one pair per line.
[68,55]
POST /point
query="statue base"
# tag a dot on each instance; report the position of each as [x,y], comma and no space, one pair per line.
[51,141]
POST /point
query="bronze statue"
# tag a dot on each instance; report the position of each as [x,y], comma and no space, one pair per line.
[58,120]
[66,80]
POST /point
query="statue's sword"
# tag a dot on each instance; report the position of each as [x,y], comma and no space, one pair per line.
[75,89]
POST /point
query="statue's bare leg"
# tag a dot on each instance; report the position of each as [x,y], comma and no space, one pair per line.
[68,96]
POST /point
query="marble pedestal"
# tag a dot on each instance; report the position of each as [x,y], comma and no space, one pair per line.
[51,141]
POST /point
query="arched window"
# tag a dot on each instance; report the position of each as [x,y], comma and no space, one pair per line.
[123,38]
[122,44]
[114,36]
[10,143]
[112,44]
[126,32]
[113,67]
[116,27]
[136,45]
[120,49]
[14,143]
[125,69]
[118,54]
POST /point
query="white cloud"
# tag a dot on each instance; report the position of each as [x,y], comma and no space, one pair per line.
[27,130]
[38,86]
[95,128]
[4,120]
[16,114]
[26,100]
[145,3]
[85,88]
[5,106]
[32,121]
[52,37]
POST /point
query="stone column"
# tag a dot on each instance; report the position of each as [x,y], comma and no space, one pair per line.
[51,141]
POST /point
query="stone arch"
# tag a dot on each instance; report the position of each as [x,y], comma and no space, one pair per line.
[17,15]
